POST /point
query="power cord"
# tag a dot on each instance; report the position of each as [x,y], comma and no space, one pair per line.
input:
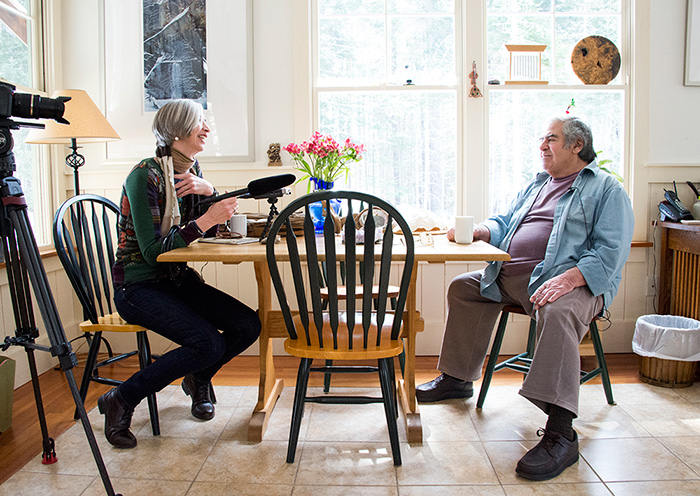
[653,270]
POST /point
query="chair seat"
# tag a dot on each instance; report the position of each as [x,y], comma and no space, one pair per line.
[112,323]
[300,348]
[392,292]
[514,309]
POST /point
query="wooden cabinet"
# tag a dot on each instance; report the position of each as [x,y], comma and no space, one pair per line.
[679,272]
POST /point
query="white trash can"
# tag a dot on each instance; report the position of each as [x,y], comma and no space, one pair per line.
[670,349]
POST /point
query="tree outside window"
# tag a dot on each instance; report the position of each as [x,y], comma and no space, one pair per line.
[19,55]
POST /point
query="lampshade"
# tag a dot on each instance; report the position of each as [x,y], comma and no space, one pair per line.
[87,124]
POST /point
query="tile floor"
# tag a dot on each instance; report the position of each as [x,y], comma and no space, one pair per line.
[647,444]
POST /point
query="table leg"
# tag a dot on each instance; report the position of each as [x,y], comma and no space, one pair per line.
[407,385]
[269,387]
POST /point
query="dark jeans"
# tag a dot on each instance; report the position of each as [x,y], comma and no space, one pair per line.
[210,326]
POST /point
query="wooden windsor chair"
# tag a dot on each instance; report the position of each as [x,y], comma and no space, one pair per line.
[84,230]
[361,328]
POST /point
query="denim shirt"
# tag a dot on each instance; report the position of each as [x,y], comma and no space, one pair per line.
[593,224]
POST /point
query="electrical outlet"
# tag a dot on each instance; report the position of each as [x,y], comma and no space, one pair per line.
[651,286]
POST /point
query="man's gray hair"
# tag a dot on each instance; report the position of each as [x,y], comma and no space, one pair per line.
[176,119]
[575,129]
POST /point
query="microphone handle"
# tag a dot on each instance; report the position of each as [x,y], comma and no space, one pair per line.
[230,194]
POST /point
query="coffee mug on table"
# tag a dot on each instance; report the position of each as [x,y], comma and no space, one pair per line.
[464,229]
[237,224]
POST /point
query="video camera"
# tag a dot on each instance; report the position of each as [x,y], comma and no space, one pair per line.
[30,106]
[26,106]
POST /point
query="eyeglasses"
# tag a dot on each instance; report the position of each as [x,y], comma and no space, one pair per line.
[426,239]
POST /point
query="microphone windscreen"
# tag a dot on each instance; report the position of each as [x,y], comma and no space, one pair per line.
[267,184]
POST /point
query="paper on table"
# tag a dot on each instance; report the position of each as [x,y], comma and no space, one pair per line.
[229,241]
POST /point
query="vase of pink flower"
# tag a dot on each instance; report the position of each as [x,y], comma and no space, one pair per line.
[322,160]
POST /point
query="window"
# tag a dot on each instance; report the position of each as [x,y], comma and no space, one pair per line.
[386,76]
[20,62]
[517,114]
[393,75]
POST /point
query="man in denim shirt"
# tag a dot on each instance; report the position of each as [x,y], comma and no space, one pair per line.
[568,234]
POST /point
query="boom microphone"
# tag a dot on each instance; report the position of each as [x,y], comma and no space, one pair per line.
[257,187]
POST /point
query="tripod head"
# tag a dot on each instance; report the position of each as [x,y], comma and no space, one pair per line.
[7,158]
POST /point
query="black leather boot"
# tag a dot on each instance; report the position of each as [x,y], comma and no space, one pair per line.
[117,419]
[202,401]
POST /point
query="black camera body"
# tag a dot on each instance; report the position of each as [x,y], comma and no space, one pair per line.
[30,106]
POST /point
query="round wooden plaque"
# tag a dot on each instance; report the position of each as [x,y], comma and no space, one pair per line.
[595,60]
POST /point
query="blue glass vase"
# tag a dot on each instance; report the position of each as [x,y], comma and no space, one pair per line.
[317,209]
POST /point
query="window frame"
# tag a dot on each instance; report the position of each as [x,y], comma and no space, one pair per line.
[472,167]
[625,85]
[456,86]
[42,174]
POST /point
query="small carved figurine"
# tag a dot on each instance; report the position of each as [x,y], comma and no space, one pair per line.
[273,153]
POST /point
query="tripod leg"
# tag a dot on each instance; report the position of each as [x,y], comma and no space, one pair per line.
[270,217]
[19,234]
[49,447]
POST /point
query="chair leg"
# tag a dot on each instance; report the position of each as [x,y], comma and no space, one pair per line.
[385,380]
[493,358]
[90,362]
[531,338]
[212,396]
[327,377]
[298,409]
[602,364]
[392,382]
[402,359]
[144,361]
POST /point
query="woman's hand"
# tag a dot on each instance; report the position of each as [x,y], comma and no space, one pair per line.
[188,184]
[218,213]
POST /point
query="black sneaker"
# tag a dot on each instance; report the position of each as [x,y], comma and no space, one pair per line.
[444,387]
[549,458]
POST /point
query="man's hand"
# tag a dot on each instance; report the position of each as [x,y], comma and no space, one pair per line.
[557,287]
[190,184]
[480,233]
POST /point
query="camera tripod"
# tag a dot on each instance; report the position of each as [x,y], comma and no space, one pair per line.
[24,266]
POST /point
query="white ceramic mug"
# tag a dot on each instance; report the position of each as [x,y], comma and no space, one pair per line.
[238,224]
[464,229]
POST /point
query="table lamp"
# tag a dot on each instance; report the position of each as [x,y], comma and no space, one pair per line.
[87,124]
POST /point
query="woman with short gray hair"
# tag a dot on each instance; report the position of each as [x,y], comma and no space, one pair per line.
[160,211]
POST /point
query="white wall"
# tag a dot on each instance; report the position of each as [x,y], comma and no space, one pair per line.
[664,136]
[673,108]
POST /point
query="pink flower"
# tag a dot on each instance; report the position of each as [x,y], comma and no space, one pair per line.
[292,148]
[322,157]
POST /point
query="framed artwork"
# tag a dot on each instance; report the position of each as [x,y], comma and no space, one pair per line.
[692,44]
[195,49]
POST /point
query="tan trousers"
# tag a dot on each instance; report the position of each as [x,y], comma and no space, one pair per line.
[554,376]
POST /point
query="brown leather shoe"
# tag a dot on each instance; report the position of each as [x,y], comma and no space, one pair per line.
[117,419]
[202,401]
[444,387]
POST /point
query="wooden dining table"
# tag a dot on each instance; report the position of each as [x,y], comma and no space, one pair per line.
[430,248]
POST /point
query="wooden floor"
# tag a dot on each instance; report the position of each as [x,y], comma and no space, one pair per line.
[23,440]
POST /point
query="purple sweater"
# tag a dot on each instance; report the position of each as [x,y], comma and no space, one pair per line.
[527,248]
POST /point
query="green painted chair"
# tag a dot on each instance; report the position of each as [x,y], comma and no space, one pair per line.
[522,361]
